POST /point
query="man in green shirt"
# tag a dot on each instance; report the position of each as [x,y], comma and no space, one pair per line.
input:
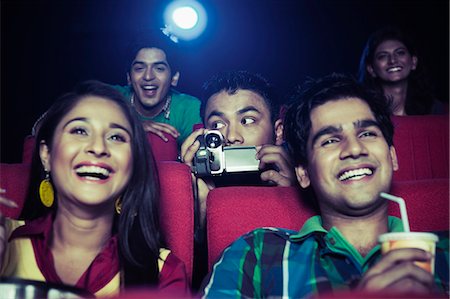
[151,82]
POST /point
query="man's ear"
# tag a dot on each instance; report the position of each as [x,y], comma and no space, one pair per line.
[278,128]
[175,79]
[370,70]
[128,79]
[44,153]
[394,160]
[302,176]
[415,60]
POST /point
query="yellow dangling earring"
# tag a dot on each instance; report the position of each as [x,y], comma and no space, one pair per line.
[118,205]
[46,192]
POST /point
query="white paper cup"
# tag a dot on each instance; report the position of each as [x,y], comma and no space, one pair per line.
[424,241]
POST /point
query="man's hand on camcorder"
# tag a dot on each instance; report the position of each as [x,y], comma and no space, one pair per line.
[188,150]
[190,146]
[276,155]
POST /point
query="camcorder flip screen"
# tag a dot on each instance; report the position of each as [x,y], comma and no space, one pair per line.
[240,159]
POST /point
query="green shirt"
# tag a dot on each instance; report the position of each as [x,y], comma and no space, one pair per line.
[184,112]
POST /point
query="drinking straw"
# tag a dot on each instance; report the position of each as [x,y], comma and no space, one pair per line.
[402,205]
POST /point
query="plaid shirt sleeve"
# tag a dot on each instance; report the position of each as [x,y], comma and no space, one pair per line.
[228,278]
[251,267]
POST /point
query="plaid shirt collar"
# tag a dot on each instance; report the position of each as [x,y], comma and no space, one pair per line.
[314,225]
[334,242]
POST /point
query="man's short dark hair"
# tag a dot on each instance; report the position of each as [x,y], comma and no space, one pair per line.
[316,92]
[154,39]
[232,81]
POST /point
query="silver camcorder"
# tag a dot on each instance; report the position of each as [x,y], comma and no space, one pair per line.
[215,159]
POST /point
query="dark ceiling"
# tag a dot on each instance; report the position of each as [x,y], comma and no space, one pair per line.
[48,46]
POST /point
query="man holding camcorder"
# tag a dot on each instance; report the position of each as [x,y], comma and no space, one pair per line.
[242,137]
[240,144]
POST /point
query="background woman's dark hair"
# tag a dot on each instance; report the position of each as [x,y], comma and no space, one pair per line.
[138,225]
[420,97]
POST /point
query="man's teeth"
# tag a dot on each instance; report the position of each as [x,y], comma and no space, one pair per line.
[149,87]
[394,69]
[355,174]
[93,171]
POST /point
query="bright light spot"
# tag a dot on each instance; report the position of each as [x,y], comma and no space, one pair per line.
[185,17]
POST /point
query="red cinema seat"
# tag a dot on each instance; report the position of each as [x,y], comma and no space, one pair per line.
[234,211]
[14,179]
[427,203]
[162,150]
[176,206]
[177,210]
[422,145]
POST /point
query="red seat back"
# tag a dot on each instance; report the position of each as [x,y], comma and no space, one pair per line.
[427,203]
[14,179]
[162,150]
[177,210]
[176,206]
[234,211]
[422,145]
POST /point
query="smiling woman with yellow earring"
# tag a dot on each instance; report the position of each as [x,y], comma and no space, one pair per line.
[101,166]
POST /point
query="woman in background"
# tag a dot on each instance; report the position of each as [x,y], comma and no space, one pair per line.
[390,64]
[99,229]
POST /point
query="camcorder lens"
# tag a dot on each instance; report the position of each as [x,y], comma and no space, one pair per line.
[213,141]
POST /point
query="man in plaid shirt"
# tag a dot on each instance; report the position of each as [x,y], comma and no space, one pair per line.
[340,138]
